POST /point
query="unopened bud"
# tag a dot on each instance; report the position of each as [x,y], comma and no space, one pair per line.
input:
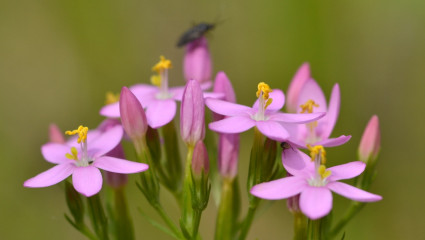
[197,62]
[133,117]
[55,134]
[200,162]
[371,140]
[192,114]
[300,78]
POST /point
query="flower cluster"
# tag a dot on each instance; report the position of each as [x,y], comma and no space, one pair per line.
[145,114]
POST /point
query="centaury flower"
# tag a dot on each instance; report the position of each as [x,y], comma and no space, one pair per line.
[307,95]
[159,99]
[314,182]
[264,115]
[81,157]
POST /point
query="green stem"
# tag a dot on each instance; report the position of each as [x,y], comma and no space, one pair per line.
[227,211]
[314,227]
[196,220]
[98,217]
[187,214]
[160,210]
[352,211]
[300,226]
[123,222]
[246,224]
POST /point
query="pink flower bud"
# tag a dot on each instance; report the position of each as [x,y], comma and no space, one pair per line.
[294,89]
[223,85]
[200,162]
[133,117]
[371,140]
[55,134]
[197,61]
[192,114]
[228,151]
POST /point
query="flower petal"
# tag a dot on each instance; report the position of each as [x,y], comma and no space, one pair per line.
[278,101]
[213,95]
[161,112]
[55,152]
[105,142]
[280,188]
[111,110]
[177,92]
[296,117]
[87,180]
[227,108]
[51,177]
[144,93]
[333,112]
[296,162]
[272,130]
[117,165]
[312,91]
[333,142]
[232,125]
[346,171]
[301,77]
[353,193]
[316,202]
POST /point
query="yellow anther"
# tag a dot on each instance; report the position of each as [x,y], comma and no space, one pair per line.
[308,106]
[156,80]
[81,131]
[73,155]
[265,89]
[269,101]
[112,98]
[162,65]
[317,150]
[323,172]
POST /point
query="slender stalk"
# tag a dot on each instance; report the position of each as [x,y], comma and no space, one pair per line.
[314,227]
[123,223]
[160,210]
[300,226]
[351,212]
[246,224]
[187,214]
[98,217]
[227,211]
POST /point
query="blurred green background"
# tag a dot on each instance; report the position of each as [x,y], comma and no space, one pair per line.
[58,58]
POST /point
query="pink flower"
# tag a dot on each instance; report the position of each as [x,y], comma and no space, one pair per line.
[81,157]
[371,140]
[228,144]
[314,182]
[264,115]
[307,95]
[192,114]
[158,99]
[197,62]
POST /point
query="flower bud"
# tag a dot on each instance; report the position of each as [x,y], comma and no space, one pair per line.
[55,134]
[200,162]
[294,89]
[197,61]
[228,151]
[371,140]
[133,117]
[223,85]
[192,114]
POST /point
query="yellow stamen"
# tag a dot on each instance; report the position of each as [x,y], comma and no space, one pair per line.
[81,131]
[156,80]
[308,106]
[73,155]
[323,172]
[269,101]
[112,98]
[317,150]
[265,89]
[162,65]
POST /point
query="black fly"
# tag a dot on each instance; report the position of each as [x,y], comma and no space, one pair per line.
[194,33]
[285,145]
